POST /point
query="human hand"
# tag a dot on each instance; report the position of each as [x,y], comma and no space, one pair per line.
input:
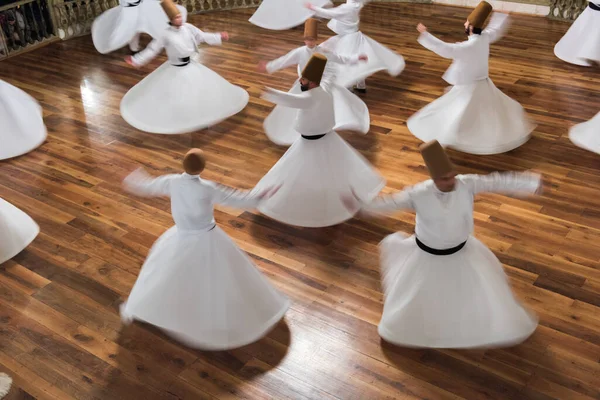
[363,57]
[421,28]
[224,36]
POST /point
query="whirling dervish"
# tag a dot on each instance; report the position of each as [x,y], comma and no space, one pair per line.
[444,288]
[196,284]
[182,95]
[345,21]
[17,230]
[587,134]
[581,44]
[122,25]
[350,112]
[22,127]
[474,116]
[319,165]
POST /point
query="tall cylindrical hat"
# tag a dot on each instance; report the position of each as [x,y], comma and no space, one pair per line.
[311,29]
[194,162]
[480,14]
[313,71]
[170,8]
[436,159]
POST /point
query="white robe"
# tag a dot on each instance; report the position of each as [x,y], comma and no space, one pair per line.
[351,113]
[316,172]
[587,134]
[460,300]
[17,231]
[196,284]
[474,116]
[180,97]
[281,15]
[581,44]
[22,127]
[123,24]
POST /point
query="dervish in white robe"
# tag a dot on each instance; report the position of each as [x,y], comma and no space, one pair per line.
[196,284]
[319,165]
[443,288]
[22,127]
[122,25]
[181,95]
[581,44]
[474,116]
[350,112]
[17,231]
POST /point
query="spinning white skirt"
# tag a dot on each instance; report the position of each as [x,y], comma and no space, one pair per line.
[380,57]
[461,300]
[115,28]
[316,174]
[280,15]
[587,134]
[351,113]
[22,126]
[581,43]
[200,288]
[17,231]
[173,100]
[476,118]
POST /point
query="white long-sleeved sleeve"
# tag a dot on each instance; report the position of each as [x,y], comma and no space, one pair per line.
[291,58]
[390,202]
[331,13]
[507,183]
[339,59]
[497,26]
[439,47]
[213,39]
[142,184]
[150,52]
[229,196]
[298,101]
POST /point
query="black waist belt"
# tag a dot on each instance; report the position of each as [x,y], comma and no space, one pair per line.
[438,252]
[214,226]
[315,137]
[184,61]
[594,7]
[137,3]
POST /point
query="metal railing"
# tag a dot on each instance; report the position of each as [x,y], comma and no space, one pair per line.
[24,25]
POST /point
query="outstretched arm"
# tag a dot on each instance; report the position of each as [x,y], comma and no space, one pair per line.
[150,52]
[497,26]
[508,183]
[381,204]
[298,101]
[291,58]
[142,184]
[439,47]
[240,198]
[347,60]
[213,39]
[329,13]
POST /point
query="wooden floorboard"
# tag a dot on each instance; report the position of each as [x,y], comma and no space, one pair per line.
[60,332]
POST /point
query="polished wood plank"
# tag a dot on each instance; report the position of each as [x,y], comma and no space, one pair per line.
[60,332]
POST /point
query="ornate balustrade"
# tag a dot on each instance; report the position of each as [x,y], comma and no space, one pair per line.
[566,9]
[24,25]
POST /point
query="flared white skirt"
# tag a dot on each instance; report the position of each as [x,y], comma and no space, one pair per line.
[476,118]
[115,28]
[380,57]
[173,100]
[315,174]
[581,43]
[280,15]
[461,300]
[201,289]
[22,126]
[351,113]
[587,134]
[17,231]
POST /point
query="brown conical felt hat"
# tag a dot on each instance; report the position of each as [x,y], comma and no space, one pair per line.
[313,71]
[194,162]
[170,8]
[480,14]
[436,159]
[311,29]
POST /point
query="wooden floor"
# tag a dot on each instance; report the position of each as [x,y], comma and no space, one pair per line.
[60,332]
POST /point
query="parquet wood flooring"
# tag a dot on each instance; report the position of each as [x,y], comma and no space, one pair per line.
[60,333]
